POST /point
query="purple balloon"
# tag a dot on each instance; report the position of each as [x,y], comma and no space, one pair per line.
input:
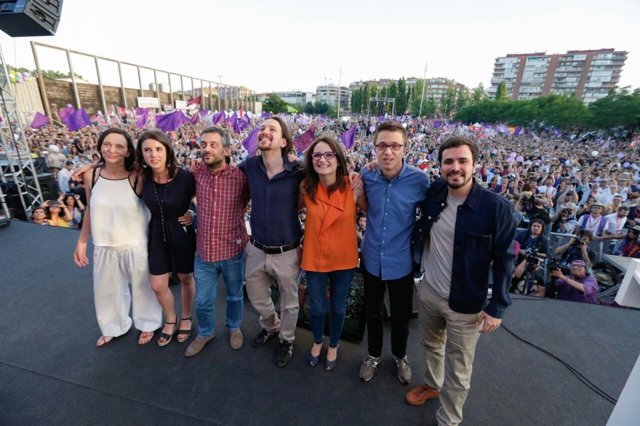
[626,165]
[372,129]
[620,155]
[519,158]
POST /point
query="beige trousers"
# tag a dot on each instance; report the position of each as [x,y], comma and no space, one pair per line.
[450,341]
[262,270]
[114,268]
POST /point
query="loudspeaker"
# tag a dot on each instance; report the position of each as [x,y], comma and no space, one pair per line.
[29,18]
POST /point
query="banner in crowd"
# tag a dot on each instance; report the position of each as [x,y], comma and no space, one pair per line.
[303,142]
[39,120]
[349,137]
[251,142]
[172,121]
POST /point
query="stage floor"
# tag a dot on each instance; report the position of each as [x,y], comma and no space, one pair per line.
[52,373]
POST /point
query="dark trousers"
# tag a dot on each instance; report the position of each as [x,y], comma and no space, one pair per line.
[401,299]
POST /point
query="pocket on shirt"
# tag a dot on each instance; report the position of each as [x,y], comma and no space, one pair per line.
[478,250]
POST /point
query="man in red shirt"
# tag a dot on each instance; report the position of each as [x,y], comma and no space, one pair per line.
[222,194]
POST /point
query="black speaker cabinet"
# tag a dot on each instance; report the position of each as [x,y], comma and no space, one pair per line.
[30,18]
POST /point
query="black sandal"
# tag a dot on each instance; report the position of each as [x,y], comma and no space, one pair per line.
[165,338]
[184,333]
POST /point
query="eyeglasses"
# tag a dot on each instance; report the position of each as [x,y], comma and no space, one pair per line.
[329,155]
[382,147]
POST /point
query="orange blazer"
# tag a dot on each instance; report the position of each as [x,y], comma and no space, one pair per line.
[330,242]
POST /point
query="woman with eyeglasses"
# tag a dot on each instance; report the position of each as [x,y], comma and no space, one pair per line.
[330,246]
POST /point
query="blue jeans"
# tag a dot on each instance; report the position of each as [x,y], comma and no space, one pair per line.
[317,291]
[206,275]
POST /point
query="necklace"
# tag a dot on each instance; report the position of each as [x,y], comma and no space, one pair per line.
[161,205]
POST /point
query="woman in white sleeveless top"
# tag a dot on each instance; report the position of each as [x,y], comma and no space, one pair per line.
[117,219]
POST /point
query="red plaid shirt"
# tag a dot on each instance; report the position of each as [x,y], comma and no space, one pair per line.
[222,198]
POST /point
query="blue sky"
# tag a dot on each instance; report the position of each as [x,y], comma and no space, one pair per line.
[286,45]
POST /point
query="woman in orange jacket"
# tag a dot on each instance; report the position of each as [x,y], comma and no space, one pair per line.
[330,247]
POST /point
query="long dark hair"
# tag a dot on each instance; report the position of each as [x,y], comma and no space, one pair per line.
[286,134]
[311,180]
[158,136]
[130,159]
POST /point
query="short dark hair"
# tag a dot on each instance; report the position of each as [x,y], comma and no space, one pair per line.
[457,141]
[158,136]
[130,159]
[226,140]
[538,221]
[390,126]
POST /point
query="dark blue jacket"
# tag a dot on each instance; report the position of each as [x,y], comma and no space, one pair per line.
[484,234]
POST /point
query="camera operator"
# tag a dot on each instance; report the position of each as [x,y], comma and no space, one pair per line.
[564,220]
[579,286]
[577,249]
[534,249]
[532,207]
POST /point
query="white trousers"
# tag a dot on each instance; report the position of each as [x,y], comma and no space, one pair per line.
[114,268]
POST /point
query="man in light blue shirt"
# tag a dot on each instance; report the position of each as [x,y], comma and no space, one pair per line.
[393,191]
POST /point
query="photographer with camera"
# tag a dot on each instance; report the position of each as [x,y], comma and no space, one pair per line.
[577,249]
[579,286]
[534,249]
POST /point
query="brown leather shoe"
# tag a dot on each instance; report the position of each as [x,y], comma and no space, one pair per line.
[236,339]
[419,395]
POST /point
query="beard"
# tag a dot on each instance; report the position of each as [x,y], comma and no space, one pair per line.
[465,180]
[215,164]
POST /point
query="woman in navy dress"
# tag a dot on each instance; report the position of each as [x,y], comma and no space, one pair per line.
[168,191]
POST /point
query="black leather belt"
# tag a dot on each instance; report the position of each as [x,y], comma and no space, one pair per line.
[274,249]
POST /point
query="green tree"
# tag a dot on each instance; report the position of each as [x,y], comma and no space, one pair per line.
[448,101]
[402,99]
[501,92]
[462,98]
[478,94]
[274,104]
[429,107]
[416,98]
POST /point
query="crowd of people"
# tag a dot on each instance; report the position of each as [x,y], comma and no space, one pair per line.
[444,196]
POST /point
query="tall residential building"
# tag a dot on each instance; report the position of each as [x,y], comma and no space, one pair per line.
[589,74]
[296,97]
[329,95]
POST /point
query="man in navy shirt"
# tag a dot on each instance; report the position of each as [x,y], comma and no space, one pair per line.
[393,192]
[468,231]
[273,253]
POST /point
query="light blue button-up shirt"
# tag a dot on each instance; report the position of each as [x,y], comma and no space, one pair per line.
[386,249]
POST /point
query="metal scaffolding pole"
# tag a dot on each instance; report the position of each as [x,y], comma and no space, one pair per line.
[16,149]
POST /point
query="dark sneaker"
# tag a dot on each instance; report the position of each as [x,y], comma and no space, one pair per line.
[263,337]
[285,352]
[368,367]
[404,370]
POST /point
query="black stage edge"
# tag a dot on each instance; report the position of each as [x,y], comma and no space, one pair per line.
[52,373]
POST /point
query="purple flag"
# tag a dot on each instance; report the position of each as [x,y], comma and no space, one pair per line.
[171,122]
[251,141]
[195,118]
[303,142]
[39,120]
[349,137]
[218,117]
[78,119]
[242,124]
[64,113]
[143,116]
[265,115]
